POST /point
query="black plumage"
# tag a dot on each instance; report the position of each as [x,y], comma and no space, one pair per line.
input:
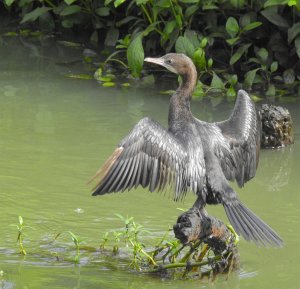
[192,155]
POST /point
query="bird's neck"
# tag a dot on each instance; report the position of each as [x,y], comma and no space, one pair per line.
[188,84]
[179,109]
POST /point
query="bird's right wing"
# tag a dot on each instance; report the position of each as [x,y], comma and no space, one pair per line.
[237,147]
[149,156]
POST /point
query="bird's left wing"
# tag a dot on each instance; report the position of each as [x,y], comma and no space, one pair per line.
[149,156]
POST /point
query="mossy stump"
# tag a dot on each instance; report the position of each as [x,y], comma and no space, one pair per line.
[276,125]
[196,226]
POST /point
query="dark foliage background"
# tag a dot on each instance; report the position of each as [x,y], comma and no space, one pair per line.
[233,43]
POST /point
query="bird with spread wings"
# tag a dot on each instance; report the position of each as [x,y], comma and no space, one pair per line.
[192,155]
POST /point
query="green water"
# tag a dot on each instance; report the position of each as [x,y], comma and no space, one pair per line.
[56,132]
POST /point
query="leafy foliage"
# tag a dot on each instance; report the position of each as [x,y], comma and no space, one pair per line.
[257,40]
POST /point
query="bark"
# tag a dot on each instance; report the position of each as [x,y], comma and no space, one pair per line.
[194,225]
[277,126]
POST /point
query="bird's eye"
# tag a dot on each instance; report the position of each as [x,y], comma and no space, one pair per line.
[168,61]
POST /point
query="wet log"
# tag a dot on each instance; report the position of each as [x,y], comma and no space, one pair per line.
[195,225]
[277,126]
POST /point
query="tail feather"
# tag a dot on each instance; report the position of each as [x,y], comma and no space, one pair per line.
[257,233]
[267,229]
[247,224]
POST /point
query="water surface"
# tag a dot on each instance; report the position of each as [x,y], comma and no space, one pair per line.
[56,132]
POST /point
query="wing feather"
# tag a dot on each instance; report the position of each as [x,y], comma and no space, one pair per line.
[237,147]
[149,156]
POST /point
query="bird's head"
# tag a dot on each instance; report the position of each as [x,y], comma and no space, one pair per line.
[175,62]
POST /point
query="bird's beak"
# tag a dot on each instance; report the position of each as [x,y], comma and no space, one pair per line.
[158,61]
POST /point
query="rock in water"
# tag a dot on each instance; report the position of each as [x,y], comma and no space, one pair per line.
[277,126]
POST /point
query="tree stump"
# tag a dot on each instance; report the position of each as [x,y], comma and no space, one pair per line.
[277,126]
[195,225]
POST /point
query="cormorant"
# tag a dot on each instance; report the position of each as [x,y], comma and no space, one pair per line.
[192,155]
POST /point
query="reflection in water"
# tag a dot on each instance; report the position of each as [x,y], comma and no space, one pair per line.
[281,166]
[55,132]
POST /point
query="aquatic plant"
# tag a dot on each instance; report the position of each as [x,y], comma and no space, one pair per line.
[168,255]
[195,259]
[20,227]
[76,242]
[104,240]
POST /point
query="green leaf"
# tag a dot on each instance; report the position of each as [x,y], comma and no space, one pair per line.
[252,25]
[249,77]
[271,14]
[209,6]
[199,59]
[108,84]
[178,21]
[149,29]
[245,19]
[107,2]
[9,2]
[297,45]
[140,2]
[230,94]
[35,14]
[293,3]
[232,27]
[170,26]
[189,1]
[120,216]
[105,79]
[271,90]
[232,78]
[237,3]
[293,32]
[135,55]
[102,11]
[125,20]
[69,2]
[263,54]
[203,42]
[74,237]
[256,98]
[190,11]
[193,37]
[239,53]
[198,92]
[117,3]
[163,3]
[217,82]
[98,73]
[274,66]
[232,41]
[269,3]
[68,23]
[69,10]
[184,45]
[21,220]
[12,33]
